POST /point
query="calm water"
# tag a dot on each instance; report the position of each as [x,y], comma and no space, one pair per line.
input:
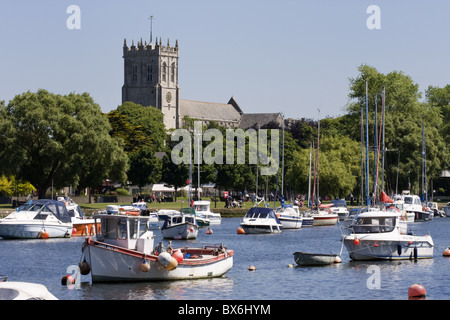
[46,262]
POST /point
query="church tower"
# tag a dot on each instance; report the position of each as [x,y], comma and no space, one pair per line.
[151,78]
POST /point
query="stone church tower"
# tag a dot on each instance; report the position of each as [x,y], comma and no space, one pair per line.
[151,78]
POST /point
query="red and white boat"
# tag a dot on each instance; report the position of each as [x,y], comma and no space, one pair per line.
[124,251]
[324,216]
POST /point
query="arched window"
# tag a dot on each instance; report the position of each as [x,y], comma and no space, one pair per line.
[172,72]
[164,72]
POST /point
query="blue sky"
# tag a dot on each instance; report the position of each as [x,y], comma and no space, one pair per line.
[286,56]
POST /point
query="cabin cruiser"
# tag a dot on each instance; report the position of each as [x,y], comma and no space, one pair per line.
[81,225]
[37,219]
[381,235]
[289,217]
[203,208]
[261,220]
[124,251]
[414,206]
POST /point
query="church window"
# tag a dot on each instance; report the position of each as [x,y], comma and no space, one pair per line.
[172,73]
[164,72]
[134,73]
[149,73]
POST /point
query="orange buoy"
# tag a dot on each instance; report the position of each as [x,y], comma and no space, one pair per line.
[417,291]
[240,231]
[356,241]
[67,279]
[178,255]
[209,231]
[251,268]
[43,234]
[446,252]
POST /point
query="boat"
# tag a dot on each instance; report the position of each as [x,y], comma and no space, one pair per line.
[289,217]
[16,290]
[180,226]
[382,235]
[81,225]
[398,204]
[314,259]
[203,207]
[435,208]
[340,208]
[307,219]
[124,251]
[414,206]
[202,221]
[323,216]
[41,218]
[261,220]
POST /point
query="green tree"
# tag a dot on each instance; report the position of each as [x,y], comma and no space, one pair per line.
[173,175]
[61,140]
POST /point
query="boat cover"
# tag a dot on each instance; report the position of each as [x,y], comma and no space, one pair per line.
[58,208]
[262,213]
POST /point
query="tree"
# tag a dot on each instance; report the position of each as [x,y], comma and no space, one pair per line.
[143,134]
[58,140]
[174,175]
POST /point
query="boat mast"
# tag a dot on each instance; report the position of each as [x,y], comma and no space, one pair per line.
[367,153]
[424,176]
[309,175]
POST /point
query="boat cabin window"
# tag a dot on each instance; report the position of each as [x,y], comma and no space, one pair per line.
[374,225]
[189,219]
[408,200]
[201,208]
[137,228]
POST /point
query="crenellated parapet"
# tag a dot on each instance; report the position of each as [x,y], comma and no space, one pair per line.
[149,49]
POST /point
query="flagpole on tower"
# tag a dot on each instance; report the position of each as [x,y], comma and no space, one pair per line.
[151,28]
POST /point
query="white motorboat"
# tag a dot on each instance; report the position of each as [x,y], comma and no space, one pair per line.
[37,219]
[16,290]
[202,221]
[340,208]
[180,226]
[323,216]
[81,225]
[381,235]
[203,208]
[289,217]
[398,204]
[414,206]
[261,220]
[124,251]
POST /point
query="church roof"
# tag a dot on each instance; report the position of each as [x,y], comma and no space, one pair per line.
[209,111]
[252,120]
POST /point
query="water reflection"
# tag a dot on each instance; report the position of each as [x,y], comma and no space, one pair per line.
[215,288]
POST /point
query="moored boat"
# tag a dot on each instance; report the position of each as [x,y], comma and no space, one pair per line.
[261,220]
[446,209]
[323,216]
[202,221]
[180,226]
[414,206]
[289,217]
[340,208]
[203,208]
[381,235]
[124,251]
[314,259]
[37,219]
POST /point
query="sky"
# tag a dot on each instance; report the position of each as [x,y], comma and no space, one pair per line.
[290,56]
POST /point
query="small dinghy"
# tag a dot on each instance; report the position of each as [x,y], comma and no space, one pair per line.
[315,259]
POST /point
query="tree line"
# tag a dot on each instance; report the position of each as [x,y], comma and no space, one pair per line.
[57,140]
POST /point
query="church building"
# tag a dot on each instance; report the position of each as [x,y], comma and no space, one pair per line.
[151,79]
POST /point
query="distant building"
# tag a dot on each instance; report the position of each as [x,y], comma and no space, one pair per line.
[151,79]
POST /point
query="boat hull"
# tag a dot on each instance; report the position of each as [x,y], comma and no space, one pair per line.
[325,219]
[261,228]
[371,249]
[29,230]
[422,215]
[289,222]
[125,265]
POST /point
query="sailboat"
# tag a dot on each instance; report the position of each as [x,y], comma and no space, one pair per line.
[322,214]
